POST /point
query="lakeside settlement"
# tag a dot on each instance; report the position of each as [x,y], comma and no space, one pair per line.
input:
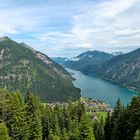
[95,108]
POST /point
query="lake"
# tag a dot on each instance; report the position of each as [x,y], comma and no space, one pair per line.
[98,88]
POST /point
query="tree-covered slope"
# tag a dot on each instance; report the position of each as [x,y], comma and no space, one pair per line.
[124,69]
[24,69]
[32,120]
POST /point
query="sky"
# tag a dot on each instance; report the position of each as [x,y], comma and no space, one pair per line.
[66,28]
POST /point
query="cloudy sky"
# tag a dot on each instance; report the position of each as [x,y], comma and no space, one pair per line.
[69,27]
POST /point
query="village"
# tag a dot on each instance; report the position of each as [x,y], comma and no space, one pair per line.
[95,108]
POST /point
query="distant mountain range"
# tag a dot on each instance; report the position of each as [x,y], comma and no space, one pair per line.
[119,67]
[25,69]
[85,59]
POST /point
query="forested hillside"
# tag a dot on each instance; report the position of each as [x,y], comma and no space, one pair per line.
[25,69]
[29,119]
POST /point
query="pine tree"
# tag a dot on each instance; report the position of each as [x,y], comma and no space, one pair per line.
[74,132]
[18,124]
[4,132]
[32,107]
[80,109]
[51,136]
[117,112]
[124,121]
[56,137]
[57,128]
[86,130]
[64,134]
[134,117]
[12,113]
[99,129]
[107,128]
[45,122]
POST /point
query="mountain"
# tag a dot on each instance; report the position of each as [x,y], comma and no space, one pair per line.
[97,55]
[25,69]
[87,58]
[122,68]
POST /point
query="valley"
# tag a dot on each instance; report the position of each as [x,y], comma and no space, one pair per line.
[70,70]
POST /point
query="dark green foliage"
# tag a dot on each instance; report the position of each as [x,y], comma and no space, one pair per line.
[33,117]
[22,118]
[99,130]
[25,69]
[115,120]
[86,129]
[29,119]
[12,112]
[4,132]
[64,134]
[107,128]
[66,122]
[123,123]
[134,117]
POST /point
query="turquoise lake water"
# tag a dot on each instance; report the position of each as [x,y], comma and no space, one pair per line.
[98,88]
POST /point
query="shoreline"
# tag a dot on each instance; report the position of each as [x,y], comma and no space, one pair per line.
[133,89]
[122,85]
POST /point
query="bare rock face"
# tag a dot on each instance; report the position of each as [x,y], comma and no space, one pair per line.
[1,53]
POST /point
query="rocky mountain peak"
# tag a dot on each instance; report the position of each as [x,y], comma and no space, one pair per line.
[4,38]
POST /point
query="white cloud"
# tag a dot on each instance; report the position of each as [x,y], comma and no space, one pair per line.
[116,23]
[115,7]
[79,25]
[7,29]
[113,42]
[127,31]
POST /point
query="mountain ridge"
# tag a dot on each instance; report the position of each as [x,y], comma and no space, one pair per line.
[87,58]
[29,70]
